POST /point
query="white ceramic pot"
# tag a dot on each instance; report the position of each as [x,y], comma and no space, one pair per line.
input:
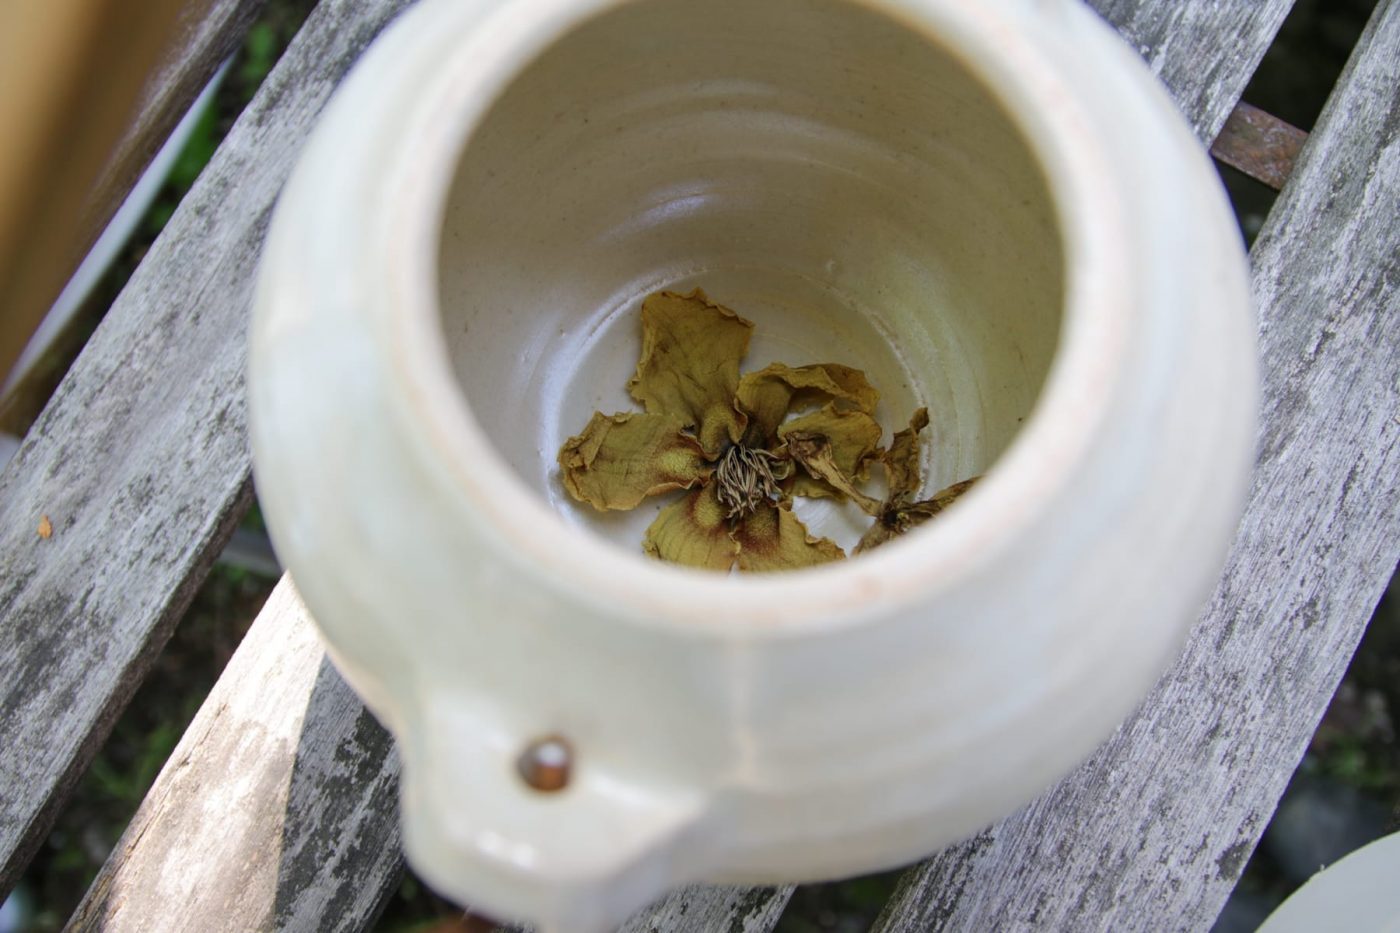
[1357,894]
[989,207]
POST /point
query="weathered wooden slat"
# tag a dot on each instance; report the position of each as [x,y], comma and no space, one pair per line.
[1259,144]
[291,781]
[141,458]
[1153,832]
[1251,30]
[207,32]
[706,909]
[1203,50]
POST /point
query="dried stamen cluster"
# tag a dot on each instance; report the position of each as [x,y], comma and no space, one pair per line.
[745,480]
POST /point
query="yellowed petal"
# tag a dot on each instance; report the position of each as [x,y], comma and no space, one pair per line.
[902,459]
[823,477]
[621,459]
[689,368]
[772,538]
[769,394]
[693,531]
[896,520]
[943,498]
[877,534]
[853,440]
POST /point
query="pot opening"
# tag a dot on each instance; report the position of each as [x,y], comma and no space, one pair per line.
[838,178]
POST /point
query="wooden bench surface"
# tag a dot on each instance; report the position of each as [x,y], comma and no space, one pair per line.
[278,808]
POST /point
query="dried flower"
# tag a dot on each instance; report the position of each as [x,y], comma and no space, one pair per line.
[899,513]
[724,438]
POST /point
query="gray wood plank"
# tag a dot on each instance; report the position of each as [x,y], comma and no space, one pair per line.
[1153,832]
[141,458]
[277,809]
[1205,51]
[705,908]
[133,860]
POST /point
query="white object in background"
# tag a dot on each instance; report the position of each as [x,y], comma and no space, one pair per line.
[993,209]
[16,912]
[8,445]
[1358,894]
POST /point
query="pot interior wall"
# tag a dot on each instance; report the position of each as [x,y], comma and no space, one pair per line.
[833,175]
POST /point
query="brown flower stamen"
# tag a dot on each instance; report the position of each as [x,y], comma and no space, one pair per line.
[744,480]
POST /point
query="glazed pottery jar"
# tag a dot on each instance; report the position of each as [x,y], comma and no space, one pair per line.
[990,208]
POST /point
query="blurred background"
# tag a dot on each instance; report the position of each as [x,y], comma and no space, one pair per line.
[1345,792]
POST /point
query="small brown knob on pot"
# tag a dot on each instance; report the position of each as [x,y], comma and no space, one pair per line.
[545,763]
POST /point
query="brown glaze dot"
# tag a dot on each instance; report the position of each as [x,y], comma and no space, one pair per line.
[545,763]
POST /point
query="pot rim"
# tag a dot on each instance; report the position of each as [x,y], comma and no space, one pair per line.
[1059,433]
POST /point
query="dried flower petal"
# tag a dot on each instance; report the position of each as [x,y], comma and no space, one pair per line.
[814,452]
[902,459]
[771,393]
[898,514]
[853,440]
[705,426]
[898,520]
[689,368]
[772,538]
[693,531]
[621,459]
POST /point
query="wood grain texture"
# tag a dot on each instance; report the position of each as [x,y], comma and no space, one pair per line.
[207,32]
[1259,144]
[710,909]
[1203,50]
[282,779]
[141,458]
[1153,832]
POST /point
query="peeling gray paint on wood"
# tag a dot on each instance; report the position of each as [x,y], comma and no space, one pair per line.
[141,457]
[1155,829]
